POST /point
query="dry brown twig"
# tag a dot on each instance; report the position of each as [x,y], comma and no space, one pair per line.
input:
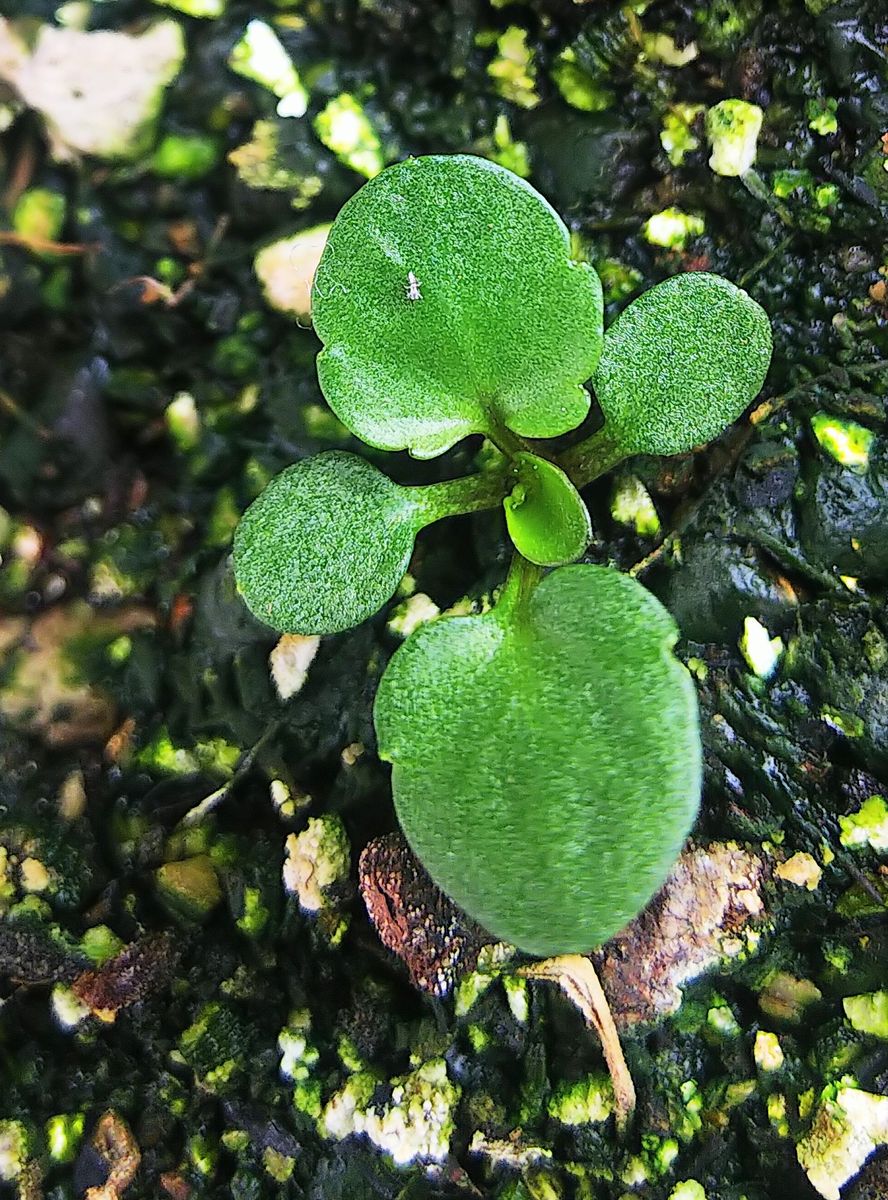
[577,978]
[44,245]
[154,290]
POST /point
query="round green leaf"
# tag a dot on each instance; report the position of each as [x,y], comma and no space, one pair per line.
[325,545]
[546,757]
[681,363]
[448,304]
[545,514]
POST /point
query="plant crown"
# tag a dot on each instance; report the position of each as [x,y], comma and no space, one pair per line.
[545,755]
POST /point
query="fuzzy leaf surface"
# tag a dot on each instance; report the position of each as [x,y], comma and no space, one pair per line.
[325,545]
[546,757]
[448,304]
[681,363]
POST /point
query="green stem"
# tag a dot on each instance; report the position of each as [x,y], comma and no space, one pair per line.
[471,493]
[195,815]
[869,368]
[773,253]
[757,188]
[521,580]
[589,459]
[505,440]
[7,404]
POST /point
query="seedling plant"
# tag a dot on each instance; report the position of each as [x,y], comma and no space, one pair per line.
[546,759]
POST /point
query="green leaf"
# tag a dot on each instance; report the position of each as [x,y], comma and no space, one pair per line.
[681,363]
[546,756]
[448,304]
[545,514]
[329,540]
[325,545]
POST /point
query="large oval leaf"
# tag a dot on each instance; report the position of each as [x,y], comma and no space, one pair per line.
[325,545]
[448,304]
[681,363]
[546,757]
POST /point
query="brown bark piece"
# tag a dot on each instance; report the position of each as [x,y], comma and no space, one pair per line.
[414,919]
[134,973]
[695,921]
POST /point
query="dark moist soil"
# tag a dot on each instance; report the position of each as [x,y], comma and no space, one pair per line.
[135,681]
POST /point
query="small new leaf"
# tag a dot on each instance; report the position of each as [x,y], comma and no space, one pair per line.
[547,520]
[325,545]
[584,772]
[448,304]
[681,363]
